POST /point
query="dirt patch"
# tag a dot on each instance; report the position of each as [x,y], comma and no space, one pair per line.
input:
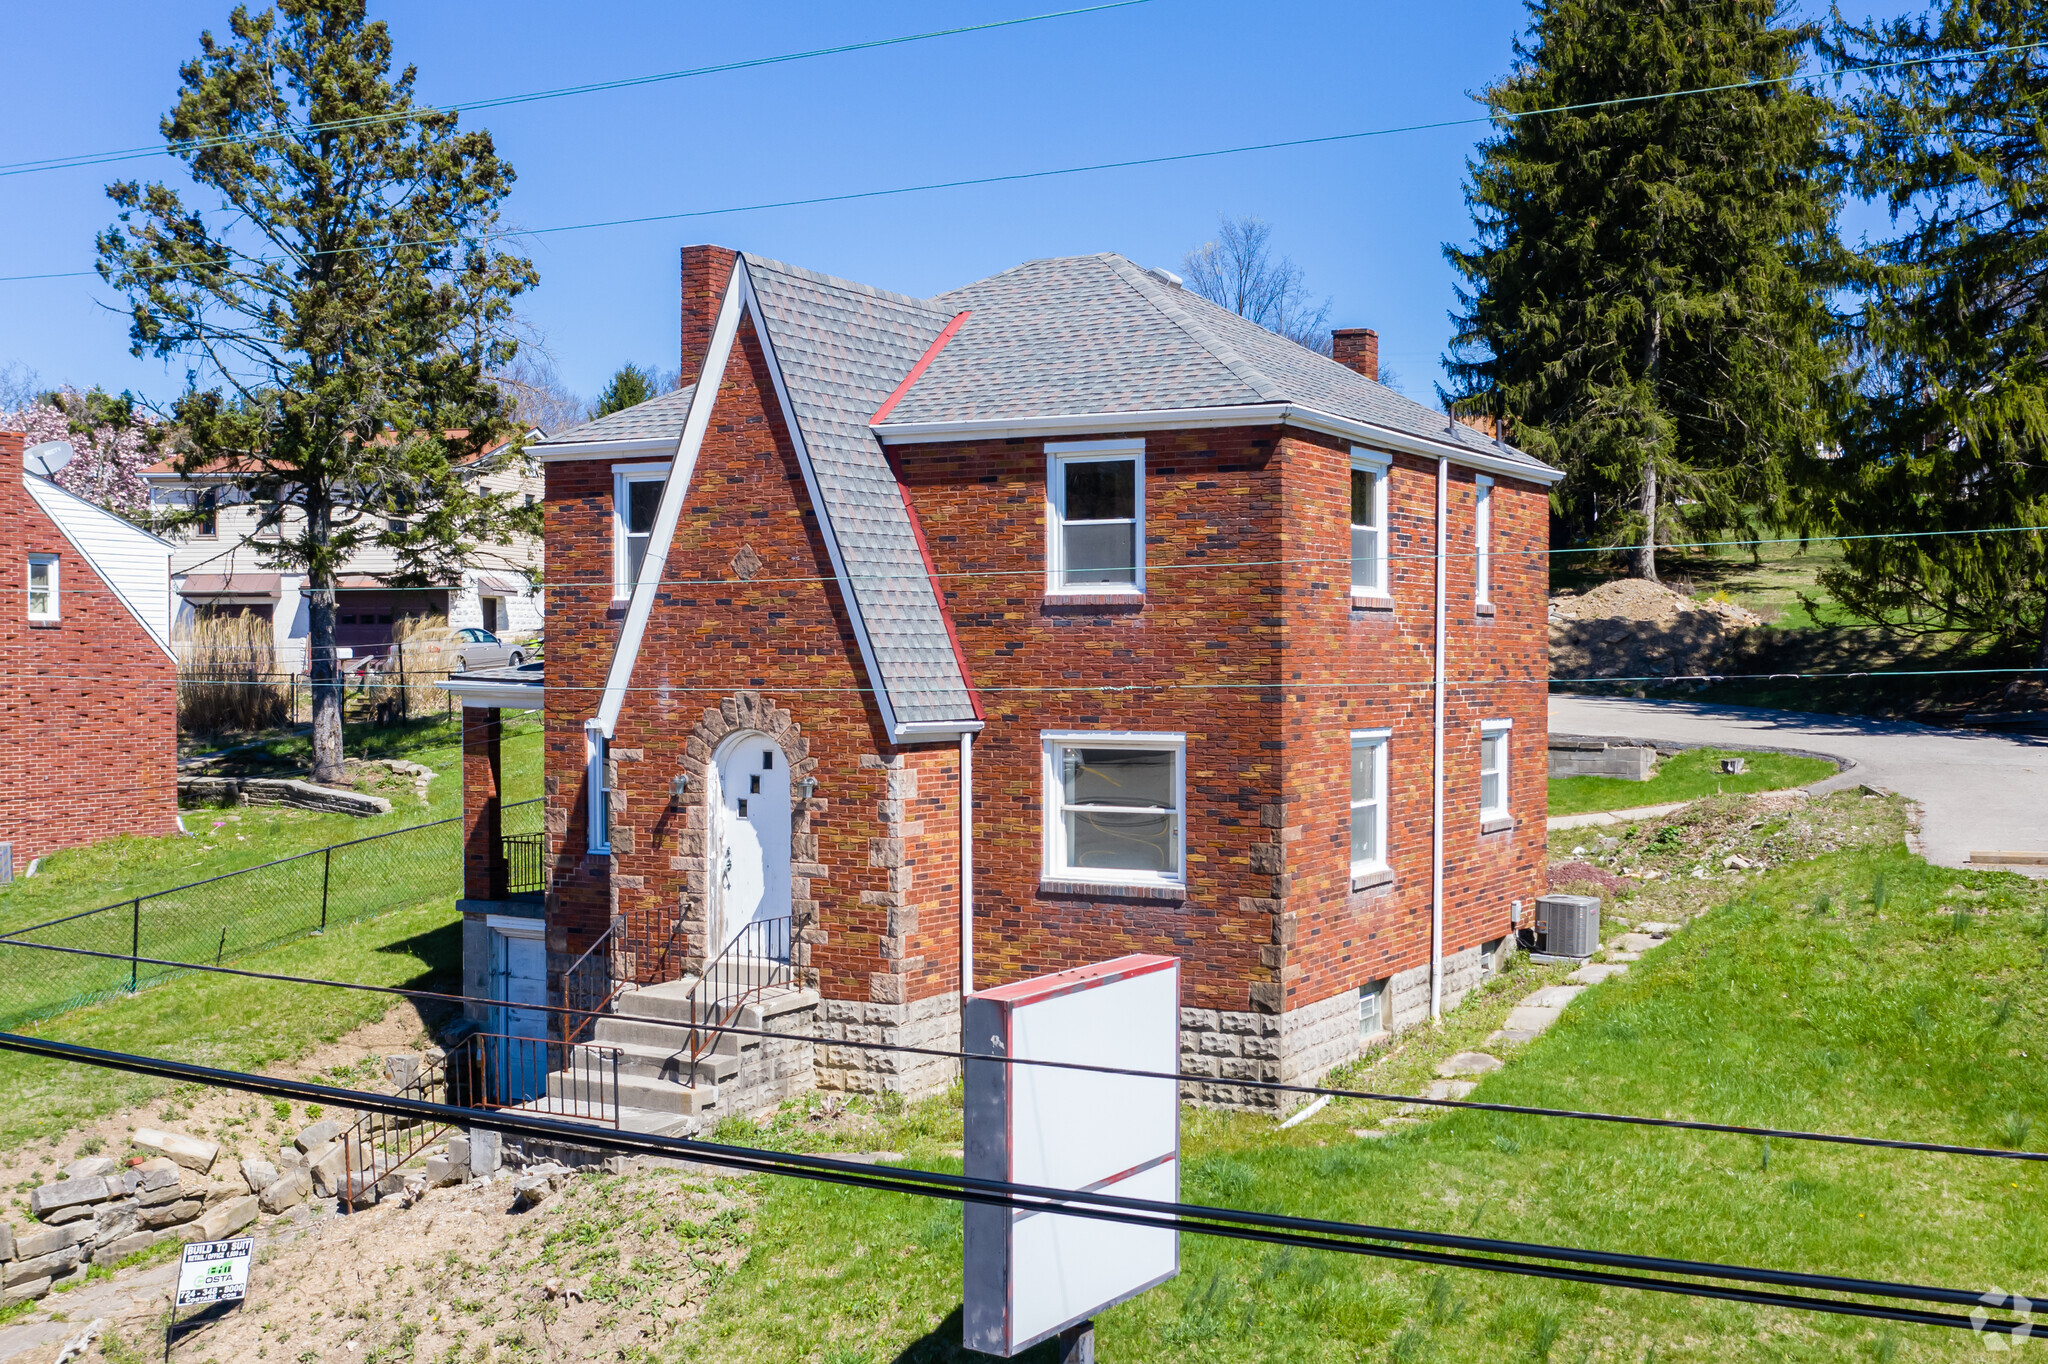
[1632,628]
[608,1268]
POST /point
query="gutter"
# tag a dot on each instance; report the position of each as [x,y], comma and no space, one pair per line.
[1436,792]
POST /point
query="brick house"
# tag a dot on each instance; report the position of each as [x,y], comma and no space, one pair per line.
[88,707]
[1155,594]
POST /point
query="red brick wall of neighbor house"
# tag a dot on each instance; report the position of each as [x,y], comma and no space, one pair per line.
[888,885]
[1212,497]
[88,705]
[1374,667]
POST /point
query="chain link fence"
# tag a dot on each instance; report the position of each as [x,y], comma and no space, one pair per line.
[233,915]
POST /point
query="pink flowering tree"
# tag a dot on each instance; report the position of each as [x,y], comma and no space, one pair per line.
[111,440]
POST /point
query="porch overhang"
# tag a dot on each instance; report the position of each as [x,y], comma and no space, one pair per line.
[520,688]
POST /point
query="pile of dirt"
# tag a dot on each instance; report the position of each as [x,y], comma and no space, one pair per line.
[1632,628]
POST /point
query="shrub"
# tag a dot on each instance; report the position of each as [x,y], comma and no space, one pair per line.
[227,671]
[419,665]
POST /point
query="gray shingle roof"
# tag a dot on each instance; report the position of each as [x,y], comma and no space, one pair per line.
[1086,334]
[843,348]
[654,419]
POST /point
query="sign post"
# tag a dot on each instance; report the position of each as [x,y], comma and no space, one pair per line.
[1033,1274]
[210,1272]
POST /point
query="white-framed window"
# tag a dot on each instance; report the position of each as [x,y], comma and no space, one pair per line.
[1095,516]
[1482,540]
[1114,807]
[1493,768]
[42,587]
[1368,524]
[636,497]
[1368,801]
[1372,1017]
[595,752]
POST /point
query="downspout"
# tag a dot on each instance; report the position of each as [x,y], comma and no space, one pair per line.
[966,867]
[1436,794]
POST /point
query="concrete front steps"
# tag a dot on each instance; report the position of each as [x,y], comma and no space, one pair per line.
[659,1090]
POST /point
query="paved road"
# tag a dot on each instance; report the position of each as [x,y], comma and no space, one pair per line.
[1977,791]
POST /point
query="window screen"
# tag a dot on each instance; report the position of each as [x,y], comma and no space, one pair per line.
[1119,809]
[1099,521]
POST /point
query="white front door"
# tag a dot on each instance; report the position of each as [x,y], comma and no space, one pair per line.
[751,862]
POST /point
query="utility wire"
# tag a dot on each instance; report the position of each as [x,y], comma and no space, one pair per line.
[1439,1248]
[189,145]
[1018,177]
[899,1048]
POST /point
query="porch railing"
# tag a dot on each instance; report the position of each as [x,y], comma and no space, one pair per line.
[526,862]
[379,1143]
[756,961]
[537,1075]
[593,981]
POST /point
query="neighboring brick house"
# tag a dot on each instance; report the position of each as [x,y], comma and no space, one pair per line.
[88,705]
[1156,588]
[219,568]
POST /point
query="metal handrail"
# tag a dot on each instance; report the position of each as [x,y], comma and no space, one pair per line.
[744,970]
[577,999]
[507,1071]
[391,1141]
[526,861]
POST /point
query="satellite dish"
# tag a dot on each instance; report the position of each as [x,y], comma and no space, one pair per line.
[48,457]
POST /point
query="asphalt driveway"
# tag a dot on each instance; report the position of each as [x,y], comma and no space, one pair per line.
[1978,791]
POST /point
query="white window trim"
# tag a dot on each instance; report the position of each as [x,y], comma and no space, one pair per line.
[597,817]
[56,611]
[1378,740]
[624,475]
[1052,840]
[1488,728]
[1482,540]
[1377,464]
[1061,453]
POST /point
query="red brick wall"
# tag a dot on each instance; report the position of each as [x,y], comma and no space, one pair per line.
[88,704]
[1371,669]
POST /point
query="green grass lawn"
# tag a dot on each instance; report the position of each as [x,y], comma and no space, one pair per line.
[231,839]
[1863,991]
[1688,776]
[227,1020]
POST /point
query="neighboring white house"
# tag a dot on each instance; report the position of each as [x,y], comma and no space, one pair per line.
[217,568]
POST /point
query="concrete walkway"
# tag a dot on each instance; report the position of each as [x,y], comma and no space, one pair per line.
[1978,791]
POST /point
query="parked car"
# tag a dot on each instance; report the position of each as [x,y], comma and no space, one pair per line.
[459,649]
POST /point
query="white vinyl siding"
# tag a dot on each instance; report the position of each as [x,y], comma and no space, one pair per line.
[1368,801]
[1493,768]
[1095,516]
[1368,524]
[1114,806]
[130,560]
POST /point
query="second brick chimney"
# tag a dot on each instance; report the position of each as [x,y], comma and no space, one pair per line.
[1357,349]
[705,272]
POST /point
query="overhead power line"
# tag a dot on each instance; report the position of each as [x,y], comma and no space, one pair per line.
[1018,177]
[1595,1267]
[188,145]
[14,939]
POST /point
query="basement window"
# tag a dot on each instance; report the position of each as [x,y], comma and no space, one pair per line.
[1368,524]
[42,587]
[1096,516]
[1113,808]
[1372,1016]
[1368,801]
[1493,768]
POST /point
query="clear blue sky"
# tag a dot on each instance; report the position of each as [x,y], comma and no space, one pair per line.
[1366,220]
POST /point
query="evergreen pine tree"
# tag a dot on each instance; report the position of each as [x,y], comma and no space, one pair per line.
[343,307]
[630,387]
[1946,428]
[1644,301]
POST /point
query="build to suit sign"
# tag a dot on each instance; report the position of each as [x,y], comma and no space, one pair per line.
[215,1271]
[1032,1273]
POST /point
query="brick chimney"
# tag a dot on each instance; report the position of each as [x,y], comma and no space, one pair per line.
[13,445]
[1482,422]
[705,272]
[1357,349]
